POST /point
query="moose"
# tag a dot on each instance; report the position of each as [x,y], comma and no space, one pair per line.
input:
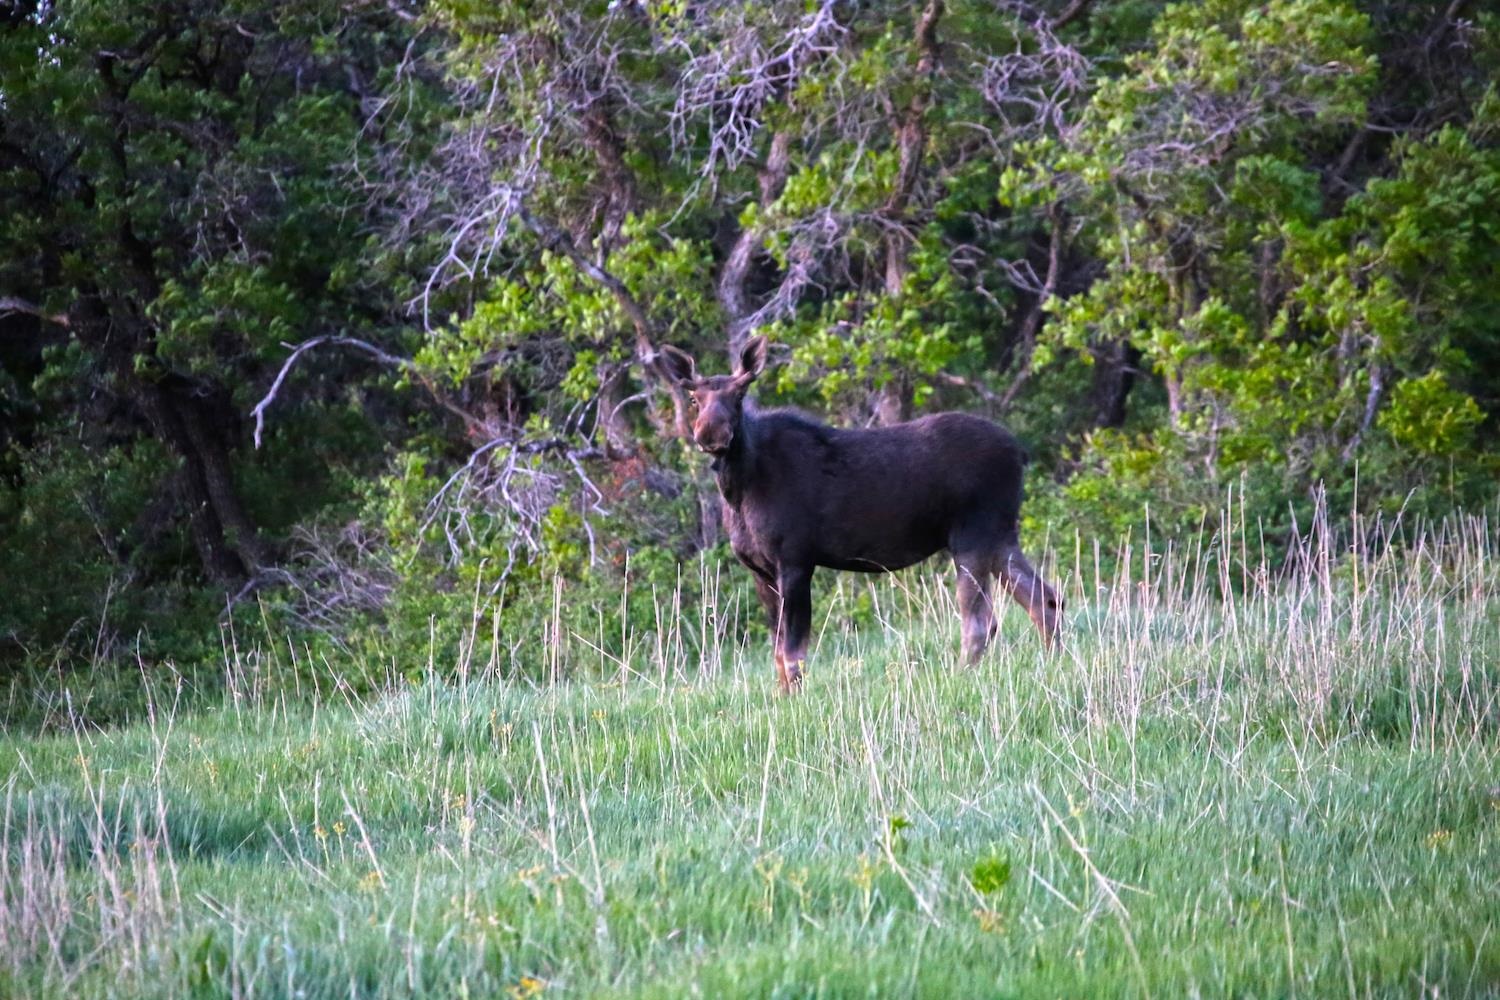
[797,494]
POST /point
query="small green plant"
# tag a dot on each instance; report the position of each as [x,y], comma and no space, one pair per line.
[990,874]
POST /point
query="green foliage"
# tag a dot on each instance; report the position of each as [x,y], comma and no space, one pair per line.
[1429,419]
[65,527]
[176,191]
[1293,342]
[1195,254]
[853,345]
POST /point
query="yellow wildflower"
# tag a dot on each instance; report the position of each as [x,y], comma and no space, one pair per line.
[527,986]
[990,921]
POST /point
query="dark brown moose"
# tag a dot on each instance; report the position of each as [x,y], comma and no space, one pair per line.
[798,494]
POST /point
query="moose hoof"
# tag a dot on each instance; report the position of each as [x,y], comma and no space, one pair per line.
[790,677]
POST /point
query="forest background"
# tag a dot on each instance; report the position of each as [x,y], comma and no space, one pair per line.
[333,324]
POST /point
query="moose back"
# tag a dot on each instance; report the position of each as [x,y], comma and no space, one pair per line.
[798,494]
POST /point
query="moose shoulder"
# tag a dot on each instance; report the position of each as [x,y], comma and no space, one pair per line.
[798,494]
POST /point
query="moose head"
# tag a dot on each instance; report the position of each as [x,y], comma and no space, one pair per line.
[718,401]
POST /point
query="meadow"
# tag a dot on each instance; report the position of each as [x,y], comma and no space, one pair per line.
[1236,779]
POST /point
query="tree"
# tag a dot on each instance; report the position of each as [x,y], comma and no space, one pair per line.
[1276,268]
[175,202]
[425,257]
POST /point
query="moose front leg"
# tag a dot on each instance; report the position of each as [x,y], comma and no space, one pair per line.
[795,586]
[770,602]
[975,605]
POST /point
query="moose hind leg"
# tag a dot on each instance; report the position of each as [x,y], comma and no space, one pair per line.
[1031,592]
[975,606]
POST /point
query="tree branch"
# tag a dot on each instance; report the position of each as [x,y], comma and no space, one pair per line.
[384,357]
[1071,13]
[11,305]
[977,388]
[1033,322]
[911,130]
[553,238]
[1372,404]
[731,287]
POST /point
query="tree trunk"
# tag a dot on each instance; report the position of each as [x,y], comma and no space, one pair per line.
[190,419]
[228,544]
[1115,369]
[604,142]
[893,402]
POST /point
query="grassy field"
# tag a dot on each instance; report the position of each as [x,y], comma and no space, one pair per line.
[1293,790]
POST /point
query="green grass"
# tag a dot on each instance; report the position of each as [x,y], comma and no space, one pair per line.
[1294,791]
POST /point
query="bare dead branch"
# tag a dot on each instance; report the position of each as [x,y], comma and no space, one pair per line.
[744,67]
[508,474]
[813,240]
[384,357]
[568,73]
[1032,88]
[330,578]
[1187,126]
[1372,404]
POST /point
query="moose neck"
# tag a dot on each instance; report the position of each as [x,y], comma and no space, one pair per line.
[733,468]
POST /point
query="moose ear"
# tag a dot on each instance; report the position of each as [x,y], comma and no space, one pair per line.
[677,365]
[752,359]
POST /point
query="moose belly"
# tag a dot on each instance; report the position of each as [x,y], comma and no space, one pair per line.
[873,564]
[864,538]
[892,547]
